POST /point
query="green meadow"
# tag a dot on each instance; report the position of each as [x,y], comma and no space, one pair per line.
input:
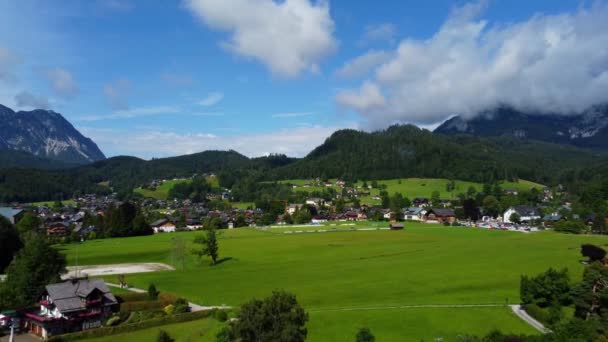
[162,191]
[349,279]
[414,187]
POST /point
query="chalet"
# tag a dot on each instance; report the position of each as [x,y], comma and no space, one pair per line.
[413,213]
[396,226]
[163,225]
[12,214]
[440,215]
[420,202]
[526,213]
[511,192]
[73,305]
[193,224]
[57,229]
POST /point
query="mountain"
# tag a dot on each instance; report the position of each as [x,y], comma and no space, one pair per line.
[47,134]
[588,129]
[407,151]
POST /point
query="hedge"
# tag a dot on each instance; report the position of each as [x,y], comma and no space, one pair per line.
[105,331]
[537,313]
[140,302]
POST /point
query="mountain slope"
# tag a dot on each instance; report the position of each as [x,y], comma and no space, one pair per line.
[46,134]
[407,151]
[588,129]
[20,159]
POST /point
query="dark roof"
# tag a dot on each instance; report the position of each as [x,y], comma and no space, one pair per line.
[443,212]
[159,222]
[525,210]
[67,295]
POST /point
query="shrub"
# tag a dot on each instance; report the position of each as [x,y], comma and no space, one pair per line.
[537,313]
[106,331]
[152,292]
[593,252]
[114,320]
[132,297]
[163,336]
[572,227]
[181,305]
[221,315]
[169,309]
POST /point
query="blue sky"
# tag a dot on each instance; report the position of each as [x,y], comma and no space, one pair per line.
[161,78]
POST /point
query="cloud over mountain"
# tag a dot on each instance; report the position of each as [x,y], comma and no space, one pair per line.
[548,63]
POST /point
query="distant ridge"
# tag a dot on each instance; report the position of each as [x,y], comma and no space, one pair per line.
[588,129]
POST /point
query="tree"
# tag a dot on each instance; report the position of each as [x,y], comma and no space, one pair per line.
[10,243]
[153,292]
[546,289]
[365,335]
[29,223]
[178,251]
[590,295]
[515,218]
[435,197]
[34,266]
[208,245]
[572,227]
[593,252]
[163,336]
[491,205]
[277,318]
[599,223]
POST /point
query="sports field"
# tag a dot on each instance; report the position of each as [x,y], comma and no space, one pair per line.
[349,279]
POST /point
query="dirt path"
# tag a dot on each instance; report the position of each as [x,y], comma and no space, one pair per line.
[101,270]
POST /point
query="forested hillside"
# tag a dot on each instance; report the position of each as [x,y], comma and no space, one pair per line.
[407,151]
[398,152]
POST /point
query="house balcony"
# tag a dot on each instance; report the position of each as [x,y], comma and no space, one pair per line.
[93,302]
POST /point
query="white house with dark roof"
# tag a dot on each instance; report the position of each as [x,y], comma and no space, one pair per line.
[526,213]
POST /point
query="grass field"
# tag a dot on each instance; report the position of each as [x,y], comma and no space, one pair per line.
[201,331]
[415,187]
[162,191]
[422,265]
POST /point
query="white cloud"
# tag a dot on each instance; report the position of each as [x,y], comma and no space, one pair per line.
[291,115]
[288,37]
[155,143]
[211,99]
[29,100]
[382,32]
[117,94]
[548,63]
[368,98]
[62,82]
[132,113]
[363,64]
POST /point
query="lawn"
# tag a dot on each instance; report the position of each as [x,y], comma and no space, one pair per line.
[162,191]
[415,187]
[200,331]
[421,265]
[51,203]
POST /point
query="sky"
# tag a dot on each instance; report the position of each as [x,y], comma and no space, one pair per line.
[164,78]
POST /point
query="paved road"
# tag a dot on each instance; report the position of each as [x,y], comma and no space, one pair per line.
[521,313]
[193,307]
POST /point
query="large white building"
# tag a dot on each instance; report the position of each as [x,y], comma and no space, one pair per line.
[526,214]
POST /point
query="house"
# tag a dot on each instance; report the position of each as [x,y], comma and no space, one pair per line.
[440,215]
[526,213]
[291,209]
[163,225]
[73,305]
[413,213]
[511,192]
[57,229]
[420,202]
[317,202]
[193,224]
[12,214]
[396,226]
